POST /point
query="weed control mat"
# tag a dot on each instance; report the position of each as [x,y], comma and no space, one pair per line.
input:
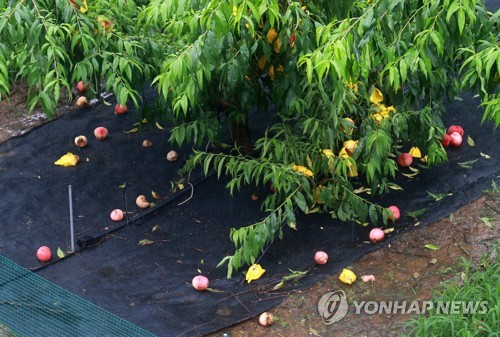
[141,268]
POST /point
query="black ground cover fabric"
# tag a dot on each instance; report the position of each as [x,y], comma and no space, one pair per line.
[150,285]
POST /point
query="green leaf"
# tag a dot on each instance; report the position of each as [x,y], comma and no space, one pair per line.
[431,246]
[488,222]
[415,214]
[301,201]
[439,196]
[470,141]
[468,164]
[461,20]
[60,253]
[372,213]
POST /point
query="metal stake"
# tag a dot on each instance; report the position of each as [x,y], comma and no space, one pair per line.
[71,220]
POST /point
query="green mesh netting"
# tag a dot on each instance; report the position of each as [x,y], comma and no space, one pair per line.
[32,306]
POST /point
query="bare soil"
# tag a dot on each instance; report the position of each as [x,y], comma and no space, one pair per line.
[404,270]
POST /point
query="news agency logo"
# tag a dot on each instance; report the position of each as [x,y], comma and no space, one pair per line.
[333,307]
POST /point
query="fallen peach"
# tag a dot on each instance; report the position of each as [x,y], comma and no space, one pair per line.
[81,141]
[146,143]
[120,109]
[266,319]
[321,257]
[81,102]
[396,214]
[44,254]
[100,132]
[376,235]
[367,278]
[455,139]
[172,156]
[81,87]
[200,283]
[456,128]
[405,159]
[446,140]
[116,215]
[142,202]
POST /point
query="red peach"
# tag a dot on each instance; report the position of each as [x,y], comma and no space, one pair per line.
[446,140]
[200,283]
[321,257]
[120,109]
[396,214]
[376,235]
[405,159]
[100,132]
[455,139]
[116,215]
[44,254]
[81,87]
[456,128]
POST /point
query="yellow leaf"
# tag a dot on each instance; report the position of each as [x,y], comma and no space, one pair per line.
[415,152]
[254,272]
[302,169]
[347,277]
[353,170]
[309,161]
[362,189]
[159,126]
[69,159]
[328,153]
[395,187]
[376,96]
[343,154]
[155,195]
[350,146]
[85,7]
[484,155]
[424,159]
[353,86]
[133,130]
[271,35]
[377,117]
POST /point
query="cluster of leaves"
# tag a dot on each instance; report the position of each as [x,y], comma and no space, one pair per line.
[52,44]
[351,85]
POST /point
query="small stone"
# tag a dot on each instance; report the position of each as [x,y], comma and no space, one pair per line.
[433,261]
[416,275]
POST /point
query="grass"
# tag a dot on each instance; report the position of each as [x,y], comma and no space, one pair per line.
[476,282]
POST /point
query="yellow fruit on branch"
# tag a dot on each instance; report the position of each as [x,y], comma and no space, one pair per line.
[271,35]
[262,62]
[277,45]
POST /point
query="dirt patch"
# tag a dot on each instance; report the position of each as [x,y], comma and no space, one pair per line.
[15,119]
